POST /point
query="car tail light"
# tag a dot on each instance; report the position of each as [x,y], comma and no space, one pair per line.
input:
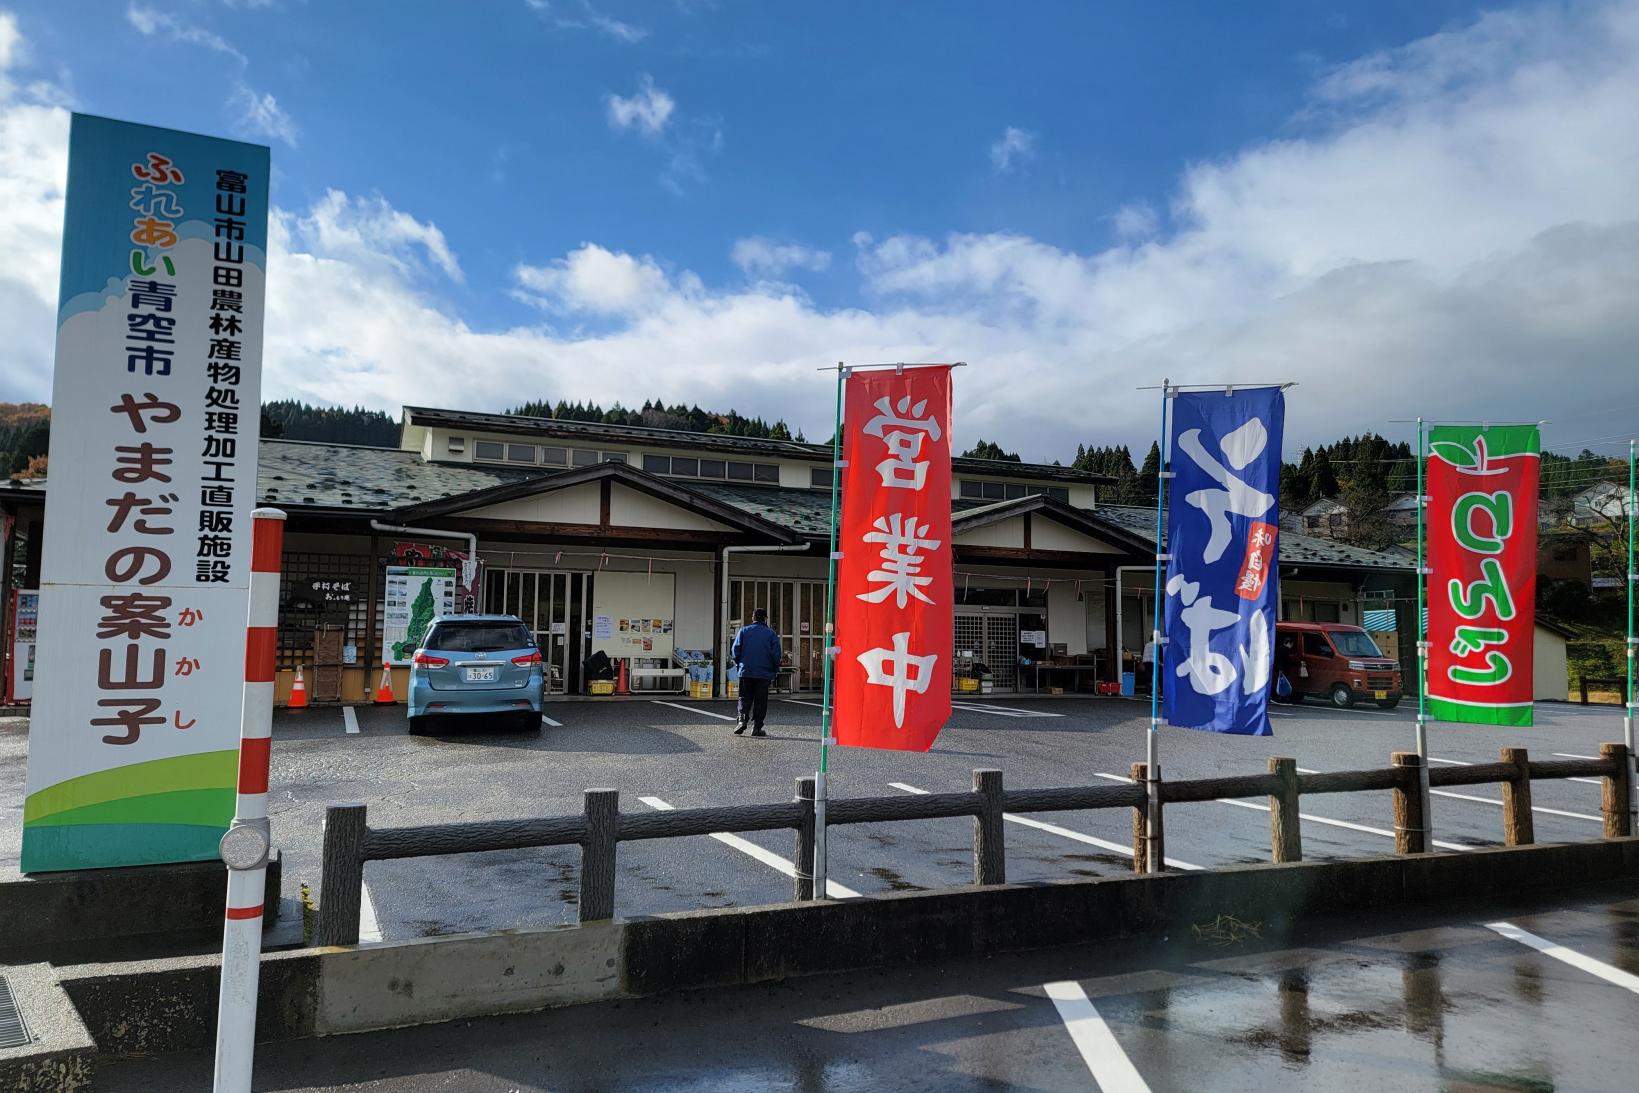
[427,660]
[527,660]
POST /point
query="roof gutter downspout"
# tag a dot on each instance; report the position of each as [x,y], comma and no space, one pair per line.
[434,533]
[720,673]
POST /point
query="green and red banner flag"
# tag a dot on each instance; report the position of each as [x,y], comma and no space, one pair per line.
[1482,551]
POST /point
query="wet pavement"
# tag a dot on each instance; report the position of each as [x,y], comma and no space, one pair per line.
[683,754]
[1433,1001]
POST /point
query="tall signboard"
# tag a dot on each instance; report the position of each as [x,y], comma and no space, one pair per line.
[1223,527]
[133,748]
[895,594]
[1482,551]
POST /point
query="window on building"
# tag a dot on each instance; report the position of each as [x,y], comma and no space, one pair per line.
[489,449]
[581,457]
[1058,493]
[739,472]
[711,468]
[520,453]
[657,464]
[614,457]
[821,478]
[766,472]
[455,443]
[687,468]
[557,457]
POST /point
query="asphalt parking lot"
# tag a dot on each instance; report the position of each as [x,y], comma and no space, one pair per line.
[1500,999]
[670,752]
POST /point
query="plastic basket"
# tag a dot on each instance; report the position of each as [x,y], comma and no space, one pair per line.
[601,687]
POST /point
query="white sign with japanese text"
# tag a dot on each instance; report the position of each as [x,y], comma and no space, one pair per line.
[133,749]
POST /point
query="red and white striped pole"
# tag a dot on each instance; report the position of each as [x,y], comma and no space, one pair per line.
[245,846]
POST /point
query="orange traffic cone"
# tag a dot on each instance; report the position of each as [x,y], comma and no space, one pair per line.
[621,687]
[384,691]
[298,692]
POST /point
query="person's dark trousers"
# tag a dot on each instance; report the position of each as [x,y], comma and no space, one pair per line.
[753,702]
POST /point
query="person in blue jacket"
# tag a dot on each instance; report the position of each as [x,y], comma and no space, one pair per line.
[756,653]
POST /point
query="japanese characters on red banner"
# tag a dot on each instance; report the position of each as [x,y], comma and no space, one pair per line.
[1482,553]
[133,752]
[894,603]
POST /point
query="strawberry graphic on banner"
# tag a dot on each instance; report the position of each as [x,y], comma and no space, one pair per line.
[1482,549]
[894,587]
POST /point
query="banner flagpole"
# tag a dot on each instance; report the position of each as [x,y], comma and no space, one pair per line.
[830,650]
[1422,652]
[1627,712]
[1152,752]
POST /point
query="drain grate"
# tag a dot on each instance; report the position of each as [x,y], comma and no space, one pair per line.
[13,1032]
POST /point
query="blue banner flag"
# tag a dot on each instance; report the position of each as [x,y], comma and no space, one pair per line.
[1223,522]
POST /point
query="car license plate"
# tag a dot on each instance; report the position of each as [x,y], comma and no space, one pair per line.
[1381,694]
[485,674]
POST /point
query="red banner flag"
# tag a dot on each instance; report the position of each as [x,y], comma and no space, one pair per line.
[1482,552]
[894,588]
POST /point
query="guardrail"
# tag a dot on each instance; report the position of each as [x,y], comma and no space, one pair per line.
[598,830]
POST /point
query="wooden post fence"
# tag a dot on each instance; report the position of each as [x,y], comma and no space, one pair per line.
[803,862]
[989,852]
[1517,826]
[597,855]
[1285,834]
[341,881]
[1616,791]
[1410,826]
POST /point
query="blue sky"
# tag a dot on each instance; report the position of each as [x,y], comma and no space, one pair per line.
[705,199]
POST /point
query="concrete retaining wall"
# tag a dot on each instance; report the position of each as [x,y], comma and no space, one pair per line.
[170,1005]
[49,913]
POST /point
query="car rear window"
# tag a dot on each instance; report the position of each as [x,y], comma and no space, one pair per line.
[478,637]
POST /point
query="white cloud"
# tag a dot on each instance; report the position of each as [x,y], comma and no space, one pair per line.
[371,234]
[260,115]
[588,17]
[647,111]
[150,21]
[1452,230]
[1013,148]
[760,256]
[1136,221]
[597,281]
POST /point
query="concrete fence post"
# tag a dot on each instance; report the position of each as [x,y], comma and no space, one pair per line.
[803,860]
[597,855]
[989,850]
[341,881]
[1517,828]
[1142,835]
[1285,833]
[1617,791]
[1410,826]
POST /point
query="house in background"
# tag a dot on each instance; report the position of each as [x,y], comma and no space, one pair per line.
[1598,505]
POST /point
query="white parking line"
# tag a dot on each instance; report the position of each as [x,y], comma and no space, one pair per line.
[695,709]
[800,702]
[1329,822]
[369,925]
[1002,711]
[1055,829]
[1488,800]
[1111,1068]
[1622,979]
[350,720]
[767,857]
[545,720]
[1562,755]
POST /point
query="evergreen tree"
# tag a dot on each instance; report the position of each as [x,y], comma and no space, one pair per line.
[986,449]
[421,616]
[1324,477]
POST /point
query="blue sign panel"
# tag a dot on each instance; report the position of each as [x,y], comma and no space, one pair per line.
[1222,583]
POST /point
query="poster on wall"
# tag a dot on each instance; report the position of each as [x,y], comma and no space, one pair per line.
[413,597]
[632,614]
[438,555]
[134,745]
